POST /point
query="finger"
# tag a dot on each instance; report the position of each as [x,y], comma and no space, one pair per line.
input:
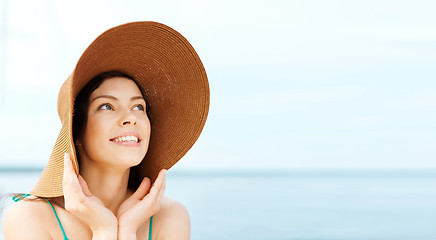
[69,171]
[73,190]
[67,164]
[69,177]
[84,186]
[162,188]
[142,189]
[71,185]
[155,189]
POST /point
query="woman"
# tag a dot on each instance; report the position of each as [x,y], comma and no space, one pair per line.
[140,98]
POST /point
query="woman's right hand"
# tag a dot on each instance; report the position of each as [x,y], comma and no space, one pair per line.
[81,203]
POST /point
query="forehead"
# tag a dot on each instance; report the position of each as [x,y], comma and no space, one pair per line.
[116,86]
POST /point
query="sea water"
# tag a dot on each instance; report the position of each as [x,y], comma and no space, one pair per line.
[303,205]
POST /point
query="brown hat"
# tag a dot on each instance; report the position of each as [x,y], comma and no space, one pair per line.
[167,67]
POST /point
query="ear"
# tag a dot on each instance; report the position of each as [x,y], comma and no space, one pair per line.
[78,146]
[78,143]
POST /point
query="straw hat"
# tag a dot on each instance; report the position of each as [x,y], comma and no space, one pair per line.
[167,67]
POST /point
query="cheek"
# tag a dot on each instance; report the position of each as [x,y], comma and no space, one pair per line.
[146,129]
[144,126]
[94,136]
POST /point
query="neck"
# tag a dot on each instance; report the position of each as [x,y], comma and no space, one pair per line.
[108,184]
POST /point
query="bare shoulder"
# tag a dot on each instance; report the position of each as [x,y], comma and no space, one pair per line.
[174,209]
[22,220]
[174,222]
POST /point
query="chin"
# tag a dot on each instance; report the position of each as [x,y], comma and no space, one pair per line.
[130,160]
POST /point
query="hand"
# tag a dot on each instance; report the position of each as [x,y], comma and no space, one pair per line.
[139,207]
[81,203]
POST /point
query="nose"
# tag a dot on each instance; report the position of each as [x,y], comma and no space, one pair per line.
[128,118]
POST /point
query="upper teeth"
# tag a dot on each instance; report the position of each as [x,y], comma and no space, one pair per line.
[126,139]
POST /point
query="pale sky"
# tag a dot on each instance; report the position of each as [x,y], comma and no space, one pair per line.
[294,84]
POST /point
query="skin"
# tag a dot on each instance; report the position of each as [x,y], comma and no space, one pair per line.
[97,204]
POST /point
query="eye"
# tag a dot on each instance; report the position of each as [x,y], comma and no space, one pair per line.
[105,106]
[139,107]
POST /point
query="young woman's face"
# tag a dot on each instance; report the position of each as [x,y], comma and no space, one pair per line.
[117,132]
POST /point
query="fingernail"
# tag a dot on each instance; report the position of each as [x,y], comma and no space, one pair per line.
[65,155]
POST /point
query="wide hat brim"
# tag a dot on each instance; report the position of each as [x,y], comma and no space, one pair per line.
[167,67]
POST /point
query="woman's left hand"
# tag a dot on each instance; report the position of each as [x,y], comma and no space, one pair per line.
[143,204]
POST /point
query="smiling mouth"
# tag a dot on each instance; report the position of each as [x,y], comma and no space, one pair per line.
[132,139]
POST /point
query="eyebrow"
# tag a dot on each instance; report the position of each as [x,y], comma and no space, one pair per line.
[116,99]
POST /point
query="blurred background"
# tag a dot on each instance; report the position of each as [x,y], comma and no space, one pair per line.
[322,120]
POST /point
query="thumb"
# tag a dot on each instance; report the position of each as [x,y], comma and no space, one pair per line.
[142,190]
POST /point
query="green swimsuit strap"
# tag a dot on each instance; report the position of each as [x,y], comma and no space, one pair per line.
[57,218]
[18,197]
[150,228]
